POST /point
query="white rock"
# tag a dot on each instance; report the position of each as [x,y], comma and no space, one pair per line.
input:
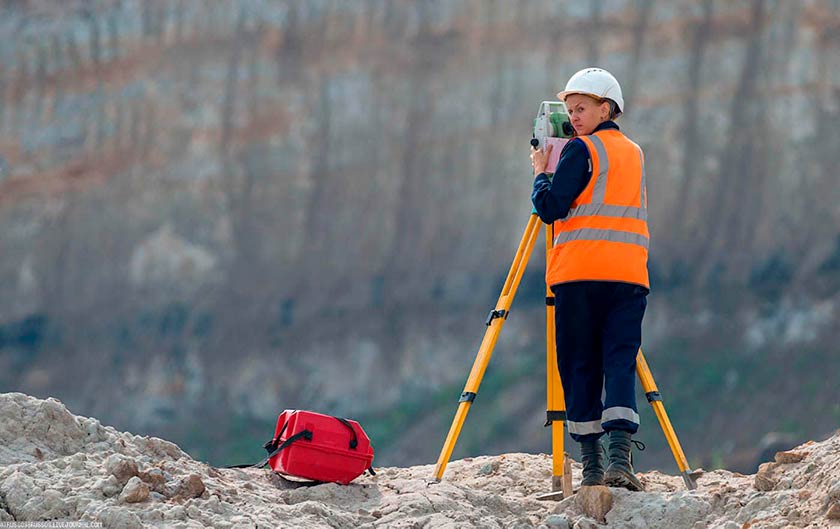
[784,483]
[193,511]
[120,518]
[556,521]
[176,513]
[18,488]
[110,486]
[586,523]
[77,461]
[656,511]
[834,491]
[83,486]
[751,510]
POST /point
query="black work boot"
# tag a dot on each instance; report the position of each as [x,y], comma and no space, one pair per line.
[620,471]
[591,454]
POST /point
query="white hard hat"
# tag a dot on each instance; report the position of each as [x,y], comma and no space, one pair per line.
[595,82]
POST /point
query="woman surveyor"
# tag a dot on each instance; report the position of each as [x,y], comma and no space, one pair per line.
[597,270]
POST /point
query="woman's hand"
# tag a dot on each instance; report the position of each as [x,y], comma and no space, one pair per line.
[539,159]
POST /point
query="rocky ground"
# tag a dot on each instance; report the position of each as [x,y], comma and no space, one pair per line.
[58,466]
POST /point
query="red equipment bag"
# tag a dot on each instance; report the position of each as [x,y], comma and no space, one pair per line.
[319,447]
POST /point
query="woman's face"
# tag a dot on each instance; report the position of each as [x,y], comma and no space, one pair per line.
[585,113]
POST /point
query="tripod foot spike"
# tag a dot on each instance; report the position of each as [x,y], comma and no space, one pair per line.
[551,496]
[689,479]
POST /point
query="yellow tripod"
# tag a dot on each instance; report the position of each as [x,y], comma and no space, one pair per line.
[555,405]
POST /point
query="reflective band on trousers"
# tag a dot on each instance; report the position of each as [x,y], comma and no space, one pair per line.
[594,234]
[610,414]
[605,210]
[619,412]
[584,428]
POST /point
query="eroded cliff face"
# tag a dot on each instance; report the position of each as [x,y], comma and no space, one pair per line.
[245,206]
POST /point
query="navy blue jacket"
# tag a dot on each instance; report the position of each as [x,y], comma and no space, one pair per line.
[553,198]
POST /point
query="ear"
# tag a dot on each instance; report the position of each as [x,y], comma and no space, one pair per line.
[605,110]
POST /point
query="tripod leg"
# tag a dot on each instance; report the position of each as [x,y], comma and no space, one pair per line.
[555,413]
[655,399]
[494,326]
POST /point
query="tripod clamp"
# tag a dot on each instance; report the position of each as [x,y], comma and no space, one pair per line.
[496,313]
[553,415]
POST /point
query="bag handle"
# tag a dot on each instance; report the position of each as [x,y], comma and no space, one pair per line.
[303,434]
[354,442]
[271,444]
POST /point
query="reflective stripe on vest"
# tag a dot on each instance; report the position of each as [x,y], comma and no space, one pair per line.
[600,189]
[592,234]
[604,210]
[598,208]
[604,237]
[643,191]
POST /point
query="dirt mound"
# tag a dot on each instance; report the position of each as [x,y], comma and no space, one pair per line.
[58,466]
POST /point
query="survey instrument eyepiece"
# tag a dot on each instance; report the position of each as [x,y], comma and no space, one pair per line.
[568,129]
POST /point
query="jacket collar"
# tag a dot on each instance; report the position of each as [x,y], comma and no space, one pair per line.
[607,125]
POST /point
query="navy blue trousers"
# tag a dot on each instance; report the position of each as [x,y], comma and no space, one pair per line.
[599,331]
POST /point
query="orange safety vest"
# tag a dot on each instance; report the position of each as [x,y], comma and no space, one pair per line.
[604,237]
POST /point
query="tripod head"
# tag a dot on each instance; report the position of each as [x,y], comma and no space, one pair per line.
[552,126]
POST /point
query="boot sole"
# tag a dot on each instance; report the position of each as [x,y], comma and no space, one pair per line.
[620,479]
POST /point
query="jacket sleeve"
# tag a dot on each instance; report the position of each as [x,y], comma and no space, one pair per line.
[552,198]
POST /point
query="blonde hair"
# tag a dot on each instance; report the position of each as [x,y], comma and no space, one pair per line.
[601,101]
